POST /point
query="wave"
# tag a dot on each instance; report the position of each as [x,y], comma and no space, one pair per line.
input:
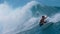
[26,17]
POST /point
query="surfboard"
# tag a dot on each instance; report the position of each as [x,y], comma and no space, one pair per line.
[46,25]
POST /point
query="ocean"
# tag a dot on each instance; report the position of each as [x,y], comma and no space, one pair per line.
[52,12]
[25,20]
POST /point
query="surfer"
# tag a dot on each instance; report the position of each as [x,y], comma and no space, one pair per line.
[42,21]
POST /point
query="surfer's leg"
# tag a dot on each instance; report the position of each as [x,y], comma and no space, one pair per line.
[41,24]
[44,22]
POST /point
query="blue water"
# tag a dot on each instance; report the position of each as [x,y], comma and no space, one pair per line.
[25,20]
[51,11]
[52,29]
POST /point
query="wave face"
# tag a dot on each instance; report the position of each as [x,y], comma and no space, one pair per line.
[26,18]
[53,14]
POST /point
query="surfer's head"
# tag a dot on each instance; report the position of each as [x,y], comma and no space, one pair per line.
[43,16]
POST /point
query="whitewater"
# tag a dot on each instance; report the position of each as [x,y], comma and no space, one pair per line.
[13,21]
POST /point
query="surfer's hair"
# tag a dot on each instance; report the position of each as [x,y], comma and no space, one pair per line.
[43,16]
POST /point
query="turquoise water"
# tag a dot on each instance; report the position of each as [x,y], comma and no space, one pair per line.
[52,29]
[25,19]
[52,12]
